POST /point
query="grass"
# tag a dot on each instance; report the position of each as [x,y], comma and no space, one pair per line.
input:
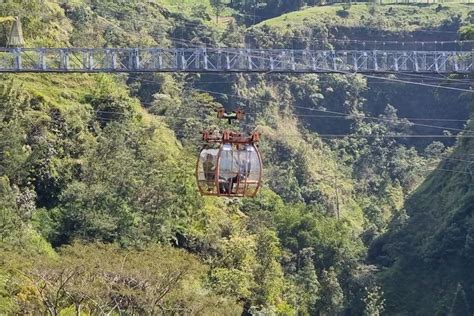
[190,8]
[387,17]
[59,90]
[186,6]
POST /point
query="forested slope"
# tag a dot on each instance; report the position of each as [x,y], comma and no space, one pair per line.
[99,209]
[429,253]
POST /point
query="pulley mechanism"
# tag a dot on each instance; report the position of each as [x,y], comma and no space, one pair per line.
[237,115]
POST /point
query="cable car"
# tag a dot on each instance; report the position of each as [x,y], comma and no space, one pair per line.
[229,163]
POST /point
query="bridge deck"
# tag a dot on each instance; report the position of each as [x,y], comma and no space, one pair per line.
[115,60]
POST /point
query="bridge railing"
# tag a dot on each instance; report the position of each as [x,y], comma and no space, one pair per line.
[231,60]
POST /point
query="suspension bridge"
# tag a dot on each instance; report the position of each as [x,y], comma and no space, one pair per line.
[203,60]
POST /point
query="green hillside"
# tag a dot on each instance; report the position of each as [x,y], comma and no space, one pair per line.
[430,255]
[393,18]
[99,210]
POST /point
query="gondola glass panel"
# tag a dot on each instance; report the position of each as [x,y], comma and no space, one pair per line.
[206,171]
[228,169]
[252,170]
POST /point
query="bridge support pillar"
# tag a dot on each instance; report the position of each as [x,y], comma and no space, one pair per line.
[219,59]
[206,66]
[183,62]
[472,61]
[91,60]
[249,60]
[334,61]
[160,60]
[64,59]
[114,60]
[17,59]
[415,60]
[292,60]
[136,60]
[88,59]
[376,64]
[42,59]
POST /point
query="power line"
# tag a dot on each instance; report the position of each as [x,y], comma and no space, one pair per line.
[466,80]
[359,41]
[449,170]
[334,112]
[418,83]
[341,113]
[326,81]
[319,135]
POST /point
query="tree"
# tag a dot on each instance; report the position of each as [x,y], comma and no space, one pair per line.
[347,5]
[14,125]
[467,32]
[332,297]
[374,302]
[16,209]
[268,273]
[308,286]
[9,222]
[219,6]
[372,6]
[460,306]
[101,279]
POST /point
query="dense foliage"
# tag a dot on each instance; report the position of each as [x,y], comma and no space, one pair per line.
[99,212]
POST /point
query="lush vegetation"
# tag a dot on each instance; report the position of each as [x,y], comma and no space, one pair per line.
[385,18]
[99,212]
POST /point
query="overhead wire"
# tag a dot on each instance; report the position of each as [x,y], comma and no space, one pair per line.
[360,41]
[326,81]
[418,83]
[400,120]
[346,116]
[316,135]
[433,80]
[466,80]
[449,170]
[340,113]
[342,116]
[439,159]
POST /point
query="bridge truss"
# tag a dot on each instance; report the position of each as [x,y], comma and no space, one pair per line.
[116,60]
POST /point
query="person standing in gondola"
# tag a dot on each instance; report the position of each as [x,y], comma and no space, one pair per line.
[209,168]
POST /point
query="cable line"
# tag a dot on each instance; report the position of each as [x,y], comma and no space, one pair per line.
[341,113]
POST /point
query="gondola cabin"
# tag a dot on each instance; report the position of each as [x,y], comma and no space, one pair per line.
[229,165]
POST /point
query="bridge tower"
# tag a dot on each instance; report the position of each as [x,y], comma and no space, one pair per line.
[16,34]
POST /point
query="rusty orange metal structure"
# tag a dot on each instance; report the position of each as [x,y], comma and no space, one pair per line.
[229,163]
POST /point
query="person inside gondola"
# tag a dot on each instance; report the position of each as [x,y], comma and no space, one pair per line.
[244,170]
[227,169]
[209,169]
